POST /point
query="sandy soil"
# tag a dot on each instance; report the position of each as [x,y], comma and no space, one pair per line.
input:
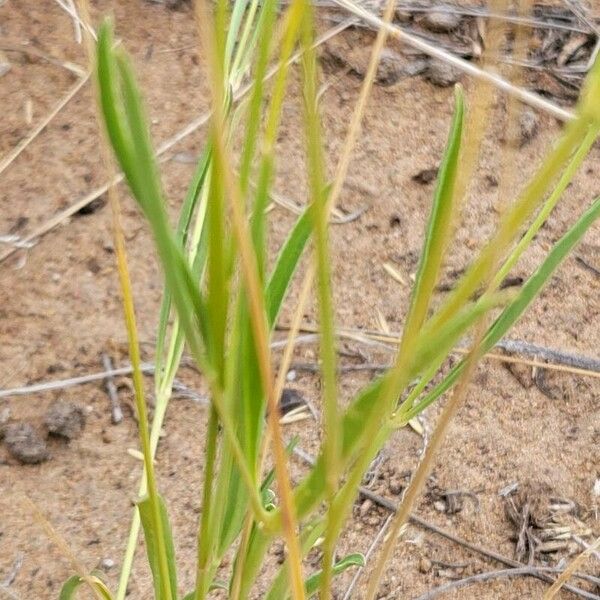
[59,311]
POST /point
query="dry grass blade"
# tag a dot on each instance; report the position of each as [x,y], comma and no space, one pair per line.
[193,126]
[436,52]
[69,8]
[570,570]
[61,544]
[12,155]
[529,571]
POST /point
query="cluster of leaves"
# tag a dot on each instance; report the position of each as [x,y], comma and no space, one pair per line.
[225,303]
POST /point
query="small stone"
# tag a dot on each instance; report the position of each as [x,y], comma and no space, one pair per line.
[290,400]
[440,21]
[439,506]
[24,443]
[442,74]
[291,375]
[389,70]
[5,65]
[396,487]
[528,125]
[425,565]
[374,521]
[107,564]
[402,16]
[426,176]
[65,419]
[365,507]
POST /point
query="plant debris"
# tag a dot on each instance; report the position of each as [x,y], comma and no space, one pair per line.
[425,176]
[65,419]
[544,522]
[291,399]
[24,443]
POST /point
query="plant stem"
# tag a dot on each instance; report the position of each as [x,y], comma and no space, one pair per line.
[138,384]
[205,542]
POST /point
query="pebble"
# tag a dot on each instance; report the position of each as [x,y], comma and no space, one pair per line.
[396,486]
[374,521]
[65,419]
[107,564]
[24,443]
[439,506]
[440,21]
[442,74]
[365,507]
[290,399]
[425,176]
[389,70]
[402,16]
[425,565]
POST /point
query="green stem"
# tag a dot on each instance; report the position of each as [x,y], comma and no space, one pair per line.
[206,543]
[138,383]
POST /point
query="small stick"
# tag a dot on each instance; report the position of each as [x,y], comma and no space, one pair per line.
[585,545]
[76,21]
[372,547]
[567,361]
[76,18]
[115,406]
[510,17]
[54,221]
[530,571]
[146,368]
[557,356]
[587,265]
[53,60]
[416,520]
[64,383]
[315,368]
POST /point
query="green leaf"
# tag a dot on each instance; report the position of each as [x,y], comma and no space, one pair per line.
[517,307]
[70,587]
[146,517]
[309,536]
[439,227]
[351,560]
[286,264]
[215,585]
[187,210]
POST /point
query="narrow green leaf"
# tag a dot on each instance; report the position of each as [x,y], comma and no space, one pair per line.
[214,586]
[167,362]
[438,229]
[351,560]
[309,536]
[150,534]
[517,307]
[286,264]
[71,586]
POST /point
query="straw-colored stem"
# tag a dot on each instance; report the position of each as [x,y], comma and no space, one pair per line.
[140,402]
[250,275]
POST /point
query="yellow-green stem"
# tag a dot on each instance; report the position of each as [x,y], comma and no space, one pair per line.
[140,403]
